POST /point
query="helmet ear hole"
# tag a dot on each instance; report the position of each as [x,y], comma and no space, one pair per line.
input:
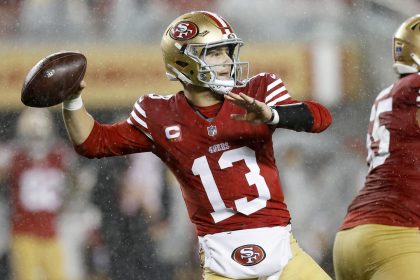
[415,26]
[181,63]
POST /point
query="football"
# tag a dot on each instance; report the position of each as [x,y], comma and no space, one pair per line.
[54,79]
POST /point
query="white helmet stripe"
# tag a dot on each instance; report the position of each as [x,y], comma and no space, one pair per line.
[226,29]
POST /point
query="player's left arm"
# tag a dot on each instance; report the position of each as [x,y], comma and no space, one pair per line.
[306,116]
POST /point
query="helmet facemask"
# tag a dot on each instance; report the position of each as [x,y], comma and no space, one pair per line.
[207,74]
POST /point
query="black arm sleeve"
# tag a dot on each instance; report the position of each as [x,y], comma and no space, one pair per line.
[297,117]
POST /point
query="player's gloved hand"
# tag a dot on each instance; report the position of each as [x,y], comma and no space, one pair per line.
[75,102]
[257,112]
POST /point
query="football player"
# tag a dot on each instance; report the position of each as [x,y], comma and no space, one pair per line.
[216,137]
[379,238]
[36,168]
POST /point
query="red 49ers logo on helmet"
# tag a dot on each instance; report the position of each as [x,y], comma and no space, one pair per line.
[184,30]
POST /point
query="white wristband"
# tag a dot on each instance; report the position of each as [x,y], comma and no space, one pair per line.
[275,118]
[73,104]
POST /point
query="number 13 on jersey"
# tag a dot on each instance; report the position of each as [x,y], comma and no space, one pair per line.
[201,168]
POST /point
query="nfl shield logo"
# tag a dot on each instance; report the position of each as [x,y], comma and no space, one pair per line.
[398,51]
[212,130]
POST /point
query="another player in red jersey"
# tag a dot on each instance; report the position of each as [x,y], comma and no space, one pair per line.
[379,238]
[36,169]
[216,137]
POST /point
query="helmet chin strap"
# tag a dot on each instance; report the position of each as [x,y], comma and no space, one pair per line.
[222,86]
[217,86]
[406,69]
[400,68]
[415,58]
[179,75]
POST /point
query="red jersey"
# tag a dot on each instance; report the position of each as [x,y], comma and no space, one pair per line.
[36,190]
[226,168]
[391,195]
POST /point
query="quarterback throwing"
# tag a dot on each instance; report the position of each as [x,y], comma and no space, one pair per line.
[216,137]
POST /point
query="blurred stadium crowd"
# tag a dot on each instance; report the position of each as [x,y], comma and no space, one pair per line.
[124,218]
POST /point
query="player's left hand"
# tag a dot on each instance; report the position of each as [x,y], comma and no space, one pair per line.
[257,112]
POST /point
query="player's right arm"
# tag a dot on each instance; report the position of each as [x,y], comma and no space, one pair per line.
[79,123]
[95,140]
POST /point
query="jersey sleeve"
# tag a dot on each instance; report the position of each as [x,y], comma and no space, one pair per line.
[114,140]
[138,117]
[276,92]
[306,116]
[322,117]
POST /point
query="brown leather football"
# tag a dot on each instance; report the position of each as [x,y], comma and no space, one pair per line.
[54,79]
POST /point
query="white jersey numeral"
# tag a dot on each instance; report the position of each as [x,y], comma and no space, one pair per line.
[201,168]
[378,135]
[41,189]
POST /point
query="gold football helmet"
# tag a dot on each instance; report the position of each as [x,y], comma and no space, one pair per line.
[185,44]
[407,46]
